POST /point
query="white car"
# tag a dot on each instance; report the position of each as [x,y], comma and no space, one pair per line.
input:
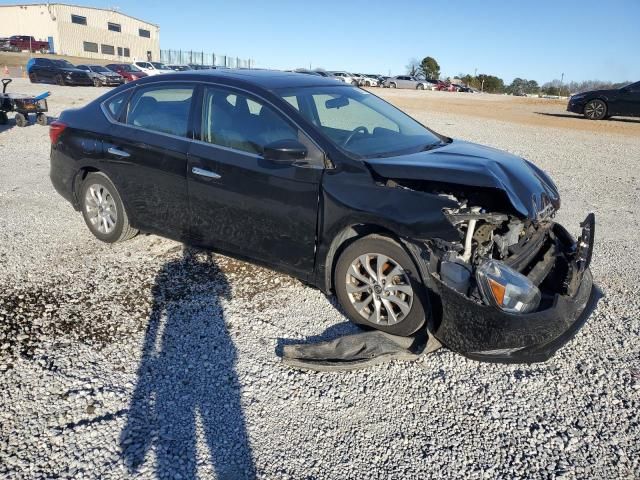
[153,68]
[346,77]
[370,80]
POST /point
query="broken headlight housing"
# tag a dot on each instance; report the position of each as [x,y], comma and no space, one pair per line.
[506,289]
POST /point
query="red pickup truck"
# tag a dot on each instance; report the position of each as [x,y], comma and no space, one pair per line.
[18,43]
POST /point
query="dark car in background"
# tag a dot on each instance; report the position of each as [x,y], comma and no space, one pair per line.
[61,72]
[333,185]
[601,104]
[127,71]
[102,75]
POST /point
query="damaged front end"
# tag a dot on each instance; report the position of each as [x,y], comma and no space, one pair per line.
[513,288]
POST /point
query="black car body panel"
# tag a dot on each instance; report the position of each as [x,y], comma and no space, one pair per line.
[529,189]
[295,217]
[623,101]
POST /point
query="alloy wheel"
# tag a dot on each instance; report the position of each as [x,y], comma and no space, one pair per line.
[100,207]
[379,289]
[595,110]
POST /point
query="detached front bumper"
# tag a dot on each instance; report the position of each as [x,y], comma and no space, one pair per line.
[484,332]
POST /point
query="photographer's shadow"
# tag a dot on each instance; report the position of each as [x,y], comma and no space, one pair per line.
[187,399]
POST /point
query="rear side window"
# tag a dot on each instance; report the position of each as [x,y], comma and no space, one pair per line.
[235,121]
[115,105]
[161,109]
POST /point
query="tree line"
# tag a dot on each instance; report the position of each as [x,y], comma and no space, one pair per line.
[428,68]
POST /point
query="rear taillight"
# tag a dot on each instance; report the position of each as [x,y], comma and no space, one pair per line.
[55,130]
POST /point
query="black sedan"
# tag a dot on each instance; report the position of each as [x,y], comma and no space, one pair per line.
[61,72]
[336,187]
[601,104]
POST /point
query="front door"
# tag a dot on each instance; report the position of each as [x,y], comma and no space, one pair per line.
[242,203]
[146,155]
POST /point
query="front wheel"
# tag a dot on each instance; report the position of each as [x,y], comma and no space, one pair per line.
[392,85]
[22,120]
[60,80]
[420,87]
[103,210]
[42,119]
[595,110]
[97,82]
[33,78]
[378,285]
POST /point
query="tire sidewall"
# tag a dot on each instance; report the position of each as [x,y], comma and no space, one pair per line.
[385,245]
[102,179]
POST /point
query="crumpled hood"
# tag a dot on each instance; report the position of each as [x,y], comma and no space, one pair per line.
[72,70]
[529,189]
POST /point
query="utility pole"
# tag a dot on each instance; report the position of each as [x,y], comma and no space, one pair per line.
[482,89]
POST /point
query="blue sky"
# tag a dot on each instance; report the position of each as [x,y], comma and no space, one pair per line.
[536,40]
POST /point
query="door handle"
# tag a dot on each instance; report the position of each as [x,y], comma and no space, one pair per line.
[205,173]
[117,152]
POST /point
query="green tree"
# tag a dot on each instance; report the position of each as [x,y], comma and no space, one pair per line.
[491,83]
[430,68]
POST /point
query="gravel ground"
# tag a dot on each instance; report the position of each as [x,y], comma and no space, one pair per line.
[145,360]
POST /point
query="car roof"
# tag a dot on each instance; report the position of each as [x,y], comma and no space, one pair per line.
[266,79]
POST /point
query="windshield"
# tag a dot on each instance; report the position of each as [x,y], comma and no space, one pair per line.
[159,66]
[62,64]
[98,68]
[359,122]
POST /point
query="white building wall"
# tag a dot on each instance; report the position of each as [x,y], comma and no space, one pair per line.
[54,20]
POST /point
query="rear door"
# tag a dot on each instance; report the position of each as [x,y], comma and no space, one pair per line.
[43,68]
[146,154]
[242,203]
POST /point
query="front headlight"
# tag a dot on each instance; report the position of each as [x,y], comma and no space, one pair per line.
[506,289]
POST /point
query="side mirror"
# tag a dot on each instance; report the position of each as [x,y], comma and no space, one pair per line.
[287,150]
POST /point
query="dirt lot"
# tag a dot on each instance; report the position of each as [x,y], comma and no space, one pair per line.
[530,111]
[144,360]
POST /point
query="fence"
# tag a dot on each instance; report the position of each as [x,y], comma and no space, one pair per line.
[191,57]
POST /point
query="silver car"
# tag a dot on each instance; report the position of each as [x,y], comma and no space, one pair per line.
[102,75]
[406,81]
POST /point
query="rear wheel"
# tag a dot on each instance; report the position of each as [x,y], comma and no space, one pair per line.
[595,110]
[378,285]
[103,210]
[33,78]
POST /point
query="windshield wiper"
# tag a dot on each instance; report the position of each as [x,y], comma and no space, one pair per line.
[431,146]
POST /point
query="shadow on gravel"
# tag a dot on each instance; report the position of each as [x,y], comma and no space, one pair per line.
[580,117]
[186,405]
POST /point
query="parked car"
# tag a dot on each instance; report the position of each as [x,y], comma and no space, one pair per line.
[345,77]
[128,72]
[176,67]
[61,72]
[152,68]
[305,71]
[102,75]
[18,43]
[601,104]
[324,73]
[406,226]
[463,88]
[405,81]
[202,67]
[5,46]
[370,80]
[441,86]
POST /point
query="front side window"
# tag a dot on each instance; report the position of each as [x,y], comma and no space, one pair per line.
[161,109]
[236,121]
[360,123]
[78,19]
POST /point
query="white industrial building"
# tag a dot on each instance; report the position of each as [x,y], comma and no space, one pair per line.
[83,31]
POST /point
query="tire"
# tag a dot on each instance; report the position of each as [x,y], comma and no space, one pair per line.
[354,83]
[110,222]
[97,82]
[33,78]
[399,312]
[595,110]
[3,118]
[392,85]
[22,120]
[60,80]
[41,119]
[420,86]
